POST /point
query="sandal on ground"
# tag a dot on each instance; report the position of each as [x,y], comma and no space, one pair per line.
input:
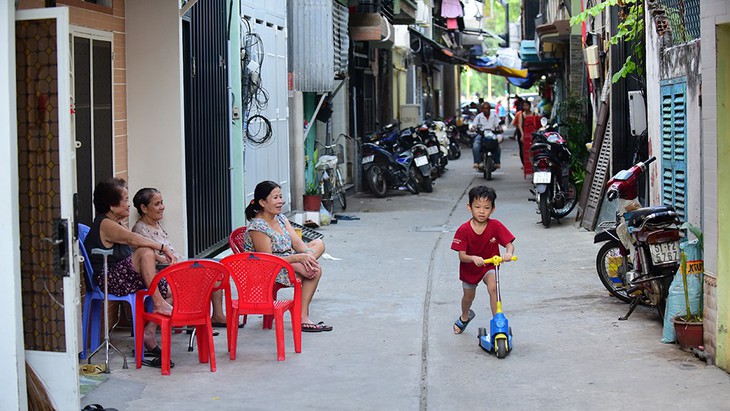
[324,326]
[461,325]
[156,362]
[224,325]
[91,369]
[311,328]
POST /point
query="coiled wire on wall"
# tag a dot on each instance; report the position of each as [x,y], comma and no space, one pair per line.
[257,128]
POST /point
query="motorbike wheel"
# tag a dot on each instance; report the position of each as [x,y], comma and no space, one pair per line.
[454,151]
[501,348]
[488,166]
[608,270]
[425,183]
[412,183]
[339,192]
[570,202]
[545,214]
[376,180]
[664,284]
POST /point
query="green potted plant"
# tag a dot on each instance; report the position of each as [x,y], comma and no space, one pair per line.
[689,327]
[312,198]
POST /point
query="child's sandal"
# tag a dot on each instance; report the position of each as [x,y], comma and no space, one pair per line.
[461,325]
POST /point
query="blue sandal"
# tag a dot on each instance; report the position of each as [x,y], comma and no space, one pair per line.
[461,325]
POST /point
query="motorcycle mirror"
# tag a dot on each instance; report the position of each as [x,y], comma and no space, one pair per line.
[543,121]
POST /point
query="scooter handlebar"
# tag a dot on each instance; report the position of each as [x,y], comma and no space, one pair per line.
[497,260]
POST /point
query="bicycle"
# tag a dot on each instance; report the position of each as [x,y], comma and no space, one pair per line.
[331,180]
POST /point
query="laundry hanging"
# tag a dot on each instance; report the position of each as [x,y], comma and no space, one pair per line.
[451,9]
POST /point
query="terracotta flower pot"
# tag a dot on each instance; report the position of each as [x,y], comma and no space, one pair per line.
[312,202]
[689,334]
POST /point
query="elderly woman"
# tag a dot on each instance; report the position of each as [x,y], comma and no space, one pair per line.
[270,232]
[131,267]
[151,208]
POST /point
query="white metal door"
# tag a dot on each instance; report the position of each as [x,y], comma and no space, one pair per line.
[270,161]
[47,185]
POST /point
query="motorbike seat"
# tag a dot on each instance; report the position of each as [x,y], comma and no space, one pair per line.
[657,214]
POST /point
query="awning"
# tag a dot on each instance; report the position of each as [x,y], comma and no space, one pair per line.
[482,64]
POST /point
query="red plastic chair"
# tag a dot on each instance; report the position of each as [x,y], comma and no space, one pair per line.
[235,241]
[254,275]
[191,283]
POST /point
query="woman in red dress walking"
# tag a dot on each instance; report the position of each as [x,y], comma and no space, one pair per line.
[528,123]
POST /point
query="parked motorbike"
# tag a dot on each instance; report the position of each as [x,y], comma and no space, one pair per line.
[490,144]
[554,192]
[407,139]
[641,251]
[437,158]
[439,128]
[458,127]
[454,146]
[384,169]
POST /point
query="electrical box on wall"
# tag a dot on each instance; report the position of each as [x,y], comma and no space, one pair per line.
[637,113]
[410,115]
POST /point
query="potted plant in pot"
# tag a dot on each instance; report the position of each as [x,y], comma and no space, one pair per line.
[689,327]
[312,198]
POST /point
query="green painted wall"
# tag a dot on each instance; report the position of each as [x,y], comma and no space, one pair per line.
[310,104]
[723,197]
[237,145]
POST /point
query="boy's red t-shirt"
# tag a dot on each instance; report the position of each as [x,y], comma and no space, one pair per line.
[485,245]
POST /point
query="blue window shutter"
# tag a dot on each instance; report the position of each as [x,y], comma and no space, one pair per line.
[674,145]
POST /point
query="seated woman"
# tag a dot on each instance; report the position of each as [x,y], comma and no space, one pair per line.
[132,265]
[151,208]
[270,232]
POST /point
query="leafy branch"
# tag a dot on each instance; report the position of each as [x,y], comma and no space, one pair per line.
[630,29]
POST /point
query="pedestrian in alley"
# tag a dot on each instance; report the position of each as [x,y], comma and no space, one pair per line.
[476,240]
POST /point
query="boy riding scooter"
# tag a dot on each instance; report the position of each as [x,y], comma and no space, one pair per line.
[476,240]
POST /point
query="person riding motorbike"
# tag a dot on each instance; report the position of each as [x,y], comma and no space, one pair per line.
[484,121]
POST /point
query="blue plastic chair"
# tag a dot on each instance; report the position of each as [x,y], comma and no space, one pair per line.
[93,308]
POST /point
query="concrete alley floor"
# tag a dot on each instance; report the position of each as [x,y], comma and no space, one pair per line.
[392,298]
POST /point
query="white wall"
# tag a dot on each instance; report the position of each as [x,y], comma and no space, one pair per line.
[714,12]
[12,358]
[156,142]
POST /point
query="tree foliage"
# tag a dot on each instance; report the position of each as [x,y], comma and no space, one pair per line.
[630,29]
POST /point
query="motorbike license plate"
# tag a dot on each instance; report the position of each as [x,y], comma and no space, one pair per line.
[421,161]
[432,149]
[663,253]
[368,159]
[541,177]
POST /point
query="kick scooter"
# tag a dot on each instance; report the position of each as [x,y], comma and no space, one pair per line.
[499,339]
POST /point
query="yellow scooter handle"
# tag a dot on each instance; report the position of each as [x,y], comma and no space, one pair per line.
[497,260]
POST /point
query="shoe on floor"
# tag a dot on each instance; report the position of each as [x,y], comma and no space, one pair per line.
[498,166]
[476,165]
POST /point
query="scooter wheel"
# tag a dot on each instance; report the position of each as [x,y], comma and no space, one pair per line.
[501,348]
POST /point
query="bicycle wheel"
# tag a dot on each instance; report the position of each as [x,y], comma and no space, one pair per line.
[339,191]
